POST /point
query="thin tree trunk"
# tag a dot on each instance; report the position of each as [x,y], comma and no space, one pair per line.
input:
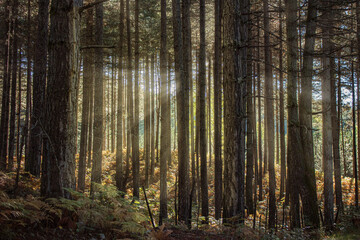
[87,79]
[147,122]
[4,126]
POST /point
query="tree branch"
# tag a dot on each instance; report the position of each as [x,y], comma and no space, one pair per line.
[90,5]
[96,46]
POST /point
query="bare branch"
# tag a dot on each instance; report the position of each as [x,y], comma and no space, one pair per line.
[90,5]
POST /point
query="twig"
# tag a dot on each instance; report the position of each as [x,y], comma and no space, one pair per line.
[148,206]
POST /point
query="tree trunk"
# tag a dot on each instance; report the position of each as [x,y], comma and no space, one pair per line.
[147,122]
[135,139]
[13,85]
[295,150]
[164,141]
[153,113]
[4,125]
[308,188]
[235,64]
[87,79]
[98,99]
[119,138]
[269,96]
[327,126]
[182,97]
[202,111]
[217,110]
[60,134]
[282,110]
[249,134]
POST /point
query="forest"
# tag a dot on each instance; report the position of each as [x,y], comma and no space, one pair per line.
[179,119]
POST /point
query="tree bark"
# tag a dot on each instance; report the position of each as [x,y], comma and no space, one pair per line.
[60,134]
[327,137]
[202,115]
[99,97]
[135,136]
[308,188]
[235,64]
[217,109]
[182,97]
[119,137]
[13,84]
[295,150]
[87,79]
[164,141]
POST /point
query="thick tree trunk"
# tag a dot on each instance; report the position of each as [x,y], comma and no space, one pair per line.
[135,139]
[130,109]
[282,110]
[119,137]
[99,99]
[308,188]
[202,114]
[182,97]
[235,64]
[327,137]
[217,110]
[269,96]
[295,150]
[164,141]
[60,133]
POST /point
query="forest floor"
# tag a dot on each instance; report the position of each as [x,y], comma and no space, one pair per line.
[107,215]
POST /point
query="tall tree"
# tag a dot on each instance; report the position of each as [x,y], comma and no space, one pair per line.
[87,79]
[327,140]
[182,98]
[60,137]
[135,139]
[281,106]
[39,84]
[308,190]
[295,150]
[269,116]
[4,125]
[99,96]
[130,104]
[235,64]
[119,137]
[217,110]
[202,120]
[147,121]
[165,140]
[14,65]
